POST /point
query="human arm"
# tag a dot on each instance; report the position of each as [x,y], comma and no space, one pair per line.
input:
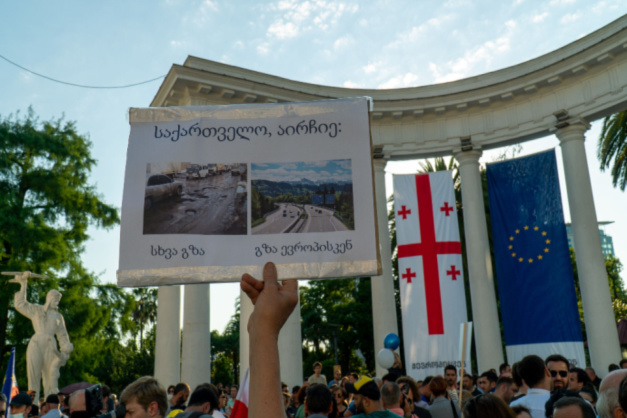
[274,302]
[20,302]
[65,346]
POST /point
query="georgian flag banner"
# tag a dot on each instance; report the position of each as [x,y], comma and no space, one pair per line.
[433,300]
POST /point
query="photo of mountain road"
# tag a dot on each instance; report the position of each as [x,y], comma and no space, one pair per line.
[302,197]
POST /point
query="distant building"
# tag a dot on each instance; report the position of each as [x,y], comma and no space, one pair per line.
[607,244]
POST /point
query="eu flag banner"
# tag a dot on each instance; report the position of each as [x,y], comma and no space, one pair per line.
[534,273]
[9,386]
[433,301]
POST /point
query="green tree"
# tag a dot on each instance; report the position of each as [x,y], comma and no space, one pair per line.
[46,207]
[145,310]
[612,148]
[225,350]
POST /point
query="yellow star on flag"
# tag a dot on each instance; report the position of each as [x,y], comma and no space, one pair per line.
[543,234]
[535,228]
[526,227]
[531,260]
[539,257]
[548,241]
[546,250]
[520,260]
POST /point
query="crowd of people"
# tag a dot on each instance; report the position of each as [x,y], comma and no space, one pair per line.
[531,388]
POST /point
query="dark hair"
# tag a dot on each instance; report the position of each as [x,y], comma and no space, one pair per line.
[341,390]
[589,389]
[582,376]
[492,377]
[106,391]
[427,380]
[586,409]
[181,387]
[438,386]
[556,395]
[471,377]
[504,380]
[519,408]
[413,386]
[622,362]
[622,394]
[516,374]
[295,389]
[354,375]
[531,370]
[503,367]
[202,395]
[557,357]
[389,378]
[319,399]
[450,367]
[317,363]
[612,367]
[487,406]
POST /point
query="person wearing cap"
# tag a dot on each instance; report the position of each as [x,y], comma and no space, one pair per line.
[21,405]
[52,406]
[367,398]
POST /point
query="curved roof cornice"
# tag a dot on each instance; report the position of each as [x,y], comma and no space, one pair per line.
[585,79]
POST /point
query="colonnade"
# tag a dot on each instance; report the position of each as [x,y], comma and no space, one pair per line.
[195,365]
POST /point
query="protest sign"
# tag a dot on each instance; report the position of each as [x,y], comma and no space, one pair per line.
[212,192]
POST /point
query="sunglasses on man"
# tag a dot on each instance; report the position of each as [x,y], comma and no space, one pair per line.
[562,373]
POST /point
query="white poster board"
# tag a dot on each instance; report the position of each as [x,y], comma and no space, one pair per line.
[212,192]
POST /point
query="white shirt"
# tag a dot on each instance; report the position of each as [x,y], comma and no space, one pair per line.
[534,401]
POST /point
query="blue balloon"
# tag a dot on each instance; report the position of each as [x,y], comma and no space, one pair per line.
[391,341]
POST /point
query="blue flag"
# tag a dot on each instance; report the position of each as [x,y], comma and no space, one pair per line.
[534,273]
[9,386]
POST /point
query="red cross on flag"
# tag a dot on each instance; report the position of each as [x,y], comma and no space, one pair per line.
[433,301]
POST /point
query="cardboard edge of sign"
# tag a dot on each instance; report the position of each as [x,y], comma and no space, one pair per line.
[222,274]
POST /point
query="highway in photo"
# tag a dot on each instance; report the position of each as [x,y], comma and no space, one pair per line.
[287,219]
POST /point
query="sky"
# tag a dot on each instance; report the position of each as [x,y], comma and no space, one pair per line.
[316,171]
[349,43]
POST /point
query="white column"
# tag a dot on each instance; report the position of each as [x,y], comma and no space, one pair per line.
[595,294]
[196,359]
[383,303]
[245,310]
[481,278]
[291,350]
[168,344]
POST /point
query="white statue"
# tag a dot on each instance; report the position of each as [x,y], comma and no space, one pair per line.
[43,358]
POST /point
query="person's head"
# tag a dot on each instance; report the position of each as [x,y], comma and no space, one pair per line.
[3,404]
[391,395]
[21,404]
[337,375]
[287,398]
[425,390]
[572,407]
[450,375]
[52,402]
[468,382]
[577,378]
[366,395]
[558,368]
[408,387]
[612,367]
[505,388]
[607,404]
[438,386]
[340,395]
[623,363]
[171,390]
[487,406]
[533,372]
[181,393]
[145,398]
[521,411]
[317,368]
[588,393]
[487,381]
[318,400]
[77,401]
[223,399]
[591,373]
[52,299]
[505,369]
[204,399]
[353,378]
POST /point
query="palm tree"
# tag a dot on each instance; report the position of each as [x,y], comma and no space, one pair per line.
[145,310]
[613,145]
